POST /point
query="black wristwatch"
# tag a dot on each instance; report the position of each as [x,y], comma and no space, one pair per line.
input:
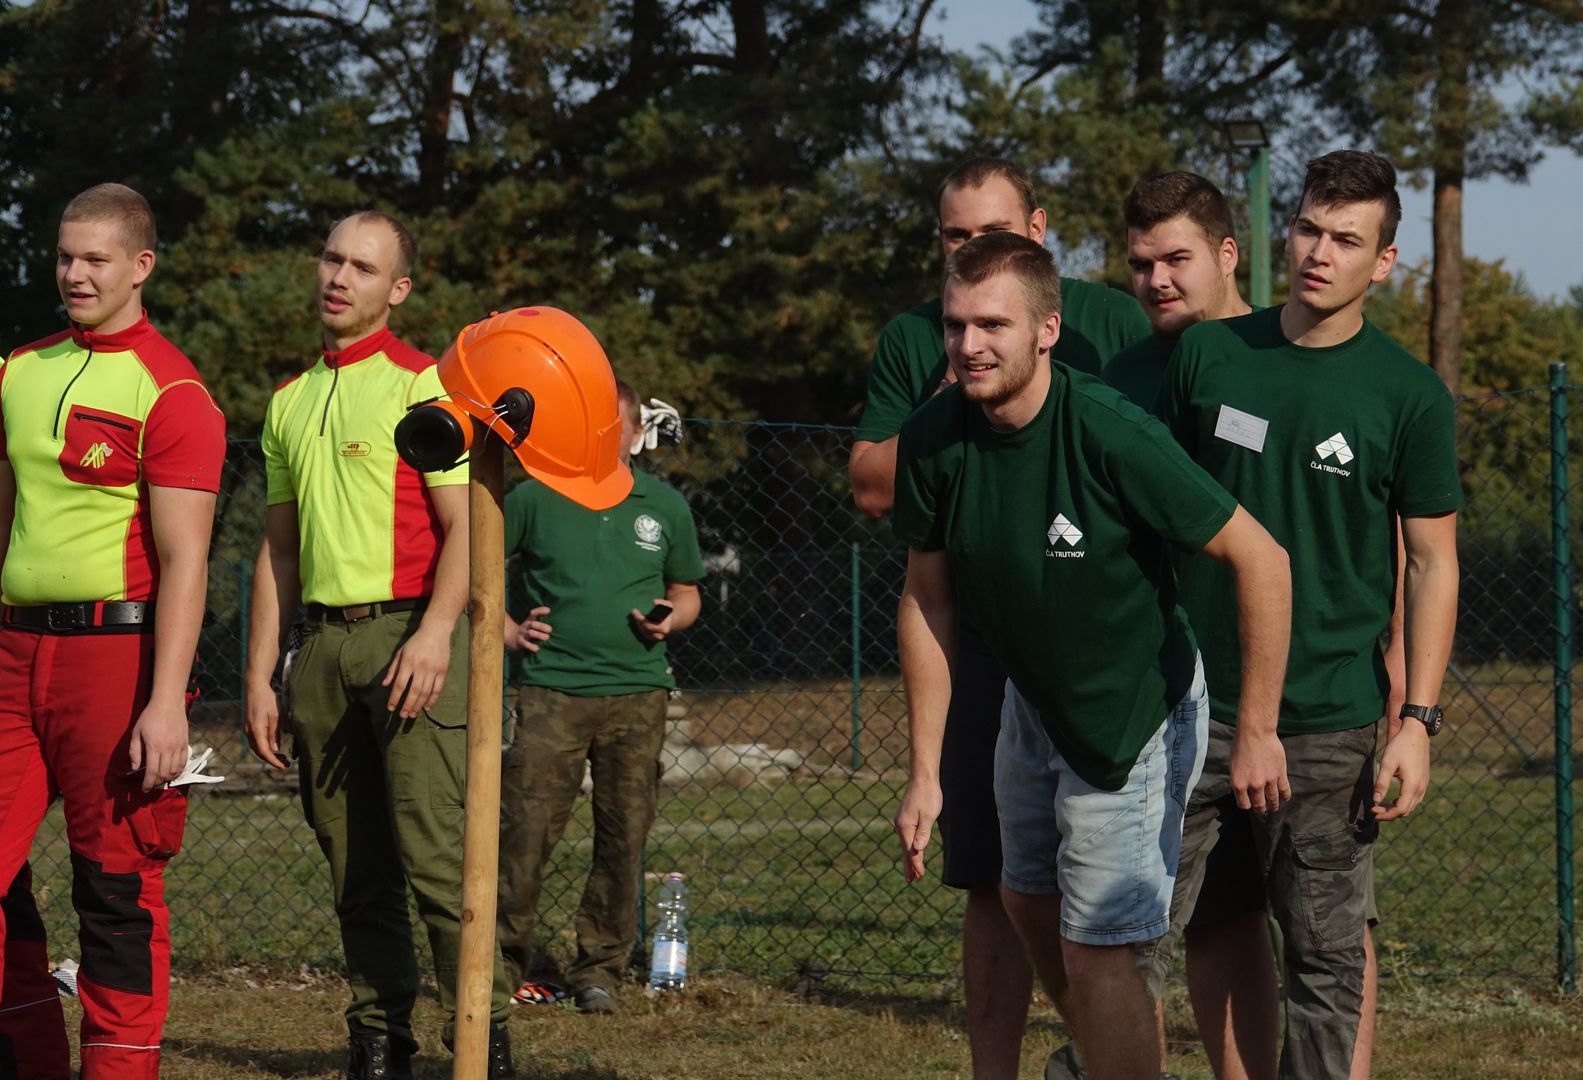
[1433,717]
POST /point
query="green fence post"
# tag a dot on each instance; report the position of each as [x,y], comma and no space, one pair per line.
[1561,565]
[857,657]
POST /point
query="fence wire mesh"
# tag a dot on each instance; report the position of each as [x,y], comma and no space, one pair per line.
[786,752]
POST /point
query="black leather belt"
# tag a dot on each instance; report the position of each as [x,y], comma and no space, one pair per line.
[357,612]
[117,616]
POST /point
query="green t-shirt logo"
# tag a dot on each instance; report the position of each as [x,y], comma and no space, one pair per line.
[1333,447]
[1063,531]
[648,531]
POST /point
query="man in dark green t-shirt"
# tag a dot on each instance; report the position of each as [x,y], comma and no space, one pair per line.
[1343,446]
[593,683]
[980,196]
[1042,506]
[1182,250]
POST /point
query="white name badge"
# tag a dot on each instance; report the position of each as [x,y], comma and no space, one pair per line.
[1241,428]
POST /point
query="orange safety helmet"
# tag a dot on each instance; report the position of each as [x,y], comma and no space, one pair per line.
[537,378]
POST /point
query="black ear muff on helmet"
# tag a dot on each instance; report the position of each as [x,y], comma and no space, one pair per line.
[436,434]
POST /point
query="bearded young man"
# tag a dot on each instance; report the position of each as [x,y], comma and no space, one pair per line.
[1043,506]
[980,196]
[1343,445]
[378,554]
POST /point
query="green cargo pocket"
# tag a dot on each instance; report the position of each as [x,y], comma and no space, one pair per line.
[1330,879]
[447,770]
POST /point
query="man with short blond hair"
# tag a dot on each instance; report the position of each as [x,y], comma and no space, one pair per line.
[378,554]
[1042,506]
[110,457]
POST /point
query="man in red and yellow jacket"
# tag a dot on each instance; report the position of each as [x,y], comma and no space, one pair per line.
[110,457]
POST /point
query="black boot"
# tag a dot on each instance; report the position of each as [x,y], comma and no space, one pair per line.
[500,1067]
[372,1056]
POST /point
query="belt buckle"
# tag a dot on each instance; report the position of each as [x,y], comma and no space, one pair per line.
[357,612]
[66,617]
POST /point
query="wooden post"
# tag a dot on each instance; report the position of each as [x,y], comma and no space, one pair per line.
[481,841]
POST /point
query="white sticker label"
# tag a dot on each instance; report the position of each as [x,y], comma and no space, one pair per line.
[1242,428]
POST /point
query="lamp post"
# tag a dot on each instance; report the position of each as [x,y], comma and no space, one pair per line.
[1249,134]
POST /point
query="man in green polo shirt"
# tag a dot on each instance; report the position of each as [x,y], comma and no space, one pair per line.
[1343,446]
[979,196]
[593,683]
[1043,506]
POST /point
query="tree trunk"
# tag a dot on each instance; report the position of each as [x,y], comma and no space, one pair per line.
[439,94]
[1454,27]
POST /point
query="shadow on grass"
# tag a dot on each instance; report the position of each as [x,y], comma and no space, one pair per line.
[1537,768]
[318,1063]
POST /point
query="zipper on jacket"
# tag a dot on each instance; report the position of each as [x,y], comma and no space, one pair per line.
[102,420]
[61,404]
[335,379]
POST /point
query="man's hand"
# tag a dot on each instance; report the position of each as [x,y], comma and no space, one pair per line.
[1406,760]
[654,631]
[920,809]
[417,673]
[266,724]
[159,743]
[530,633]
[1258,771]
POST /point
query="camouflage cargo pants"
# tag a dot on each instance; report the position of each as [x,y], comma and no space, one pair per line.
[620,737]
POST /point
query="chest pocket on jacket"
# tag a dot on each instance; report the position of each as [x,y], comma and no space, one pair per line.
[101,447]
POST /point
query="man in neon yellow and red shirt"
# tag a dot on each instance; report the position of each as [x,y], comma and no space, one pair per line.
[110,457]
[378,691]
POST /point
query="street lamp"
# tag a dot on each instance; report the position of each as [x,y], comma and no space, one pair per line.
[1248,134]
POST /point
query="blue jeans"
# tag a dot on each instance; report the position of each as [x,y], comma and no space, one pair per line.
[1111,855]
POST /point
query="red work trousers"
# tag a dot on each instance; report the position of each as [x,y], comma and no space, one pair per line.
[67,706]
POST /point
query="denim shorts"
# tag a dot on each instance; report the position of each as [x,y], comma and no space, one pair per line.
[1111,855]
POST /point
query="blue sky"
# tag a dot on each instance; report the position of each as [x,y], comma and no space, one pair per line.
[1524,224]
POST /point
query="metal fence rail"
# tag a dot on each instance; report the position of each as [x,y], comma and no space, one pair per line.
[792,722]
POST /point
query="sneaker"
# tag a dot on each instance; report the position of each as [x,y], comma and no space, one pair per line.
[595,999]
[538,993]
[1064,1064]
[65,978]
[500,1067]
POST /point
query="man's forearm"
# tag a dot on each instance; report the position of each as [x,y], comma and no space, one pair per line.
[276,591]
[686,602]
[1264,627]
[927,640]
[178,620]
[873,473]
[451,583]
[1430,609]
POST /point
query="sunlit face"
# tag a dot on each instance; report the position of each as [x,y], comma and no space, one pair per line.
[966,212]
[1334,254]
[357,283]
[99,279]
[994,343]
[1179,277]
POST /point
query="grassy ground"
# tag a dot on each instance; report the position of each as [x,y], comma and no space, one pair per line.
[728,1029]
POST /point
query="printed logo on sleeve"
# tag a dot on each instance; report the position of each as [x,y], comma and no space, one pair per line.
[1064,536]
[1335,448]
[649,532]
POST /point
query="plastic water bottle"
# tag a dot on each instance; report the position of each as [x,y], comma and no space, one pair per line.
[668,957]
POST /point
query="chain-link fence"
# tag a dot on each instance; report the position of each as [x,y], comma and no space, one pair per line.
[787,747]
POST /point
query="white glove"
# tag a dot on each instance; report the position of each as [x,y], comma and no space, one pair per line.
[192,772]
[660,423]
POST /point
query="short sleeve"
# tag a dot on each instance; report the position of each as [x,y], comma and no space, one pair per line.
[683,562]
[1426,480]
[277,473]
[915,517]
[892,389]
[1161,486]
[184,439]
[426,385]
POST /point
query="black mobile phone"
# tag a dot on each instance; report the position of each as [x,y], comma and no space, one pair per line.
[658,612]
